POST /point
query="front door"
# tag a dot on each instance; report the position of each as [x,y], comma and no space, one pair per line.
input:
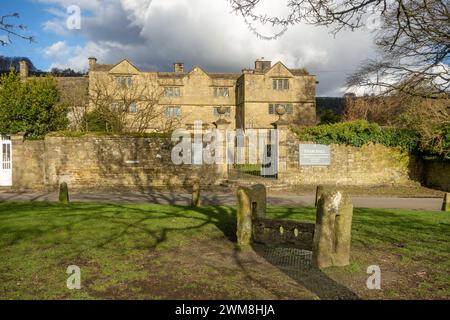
[5,162]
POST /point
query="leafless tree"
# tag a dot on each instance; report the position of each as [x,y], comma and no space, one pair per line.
[413,39]
[12,30]
[74,94]
[384,110]
[431,117]
[131,106]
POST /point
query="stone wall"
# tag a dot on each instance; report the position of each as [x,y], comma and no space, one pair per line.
[109,162]
[101,162]
[437,174]
[28,163]
[367,165]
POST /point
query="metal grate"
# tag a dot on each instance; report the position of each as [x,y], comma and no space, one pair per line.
[285,258]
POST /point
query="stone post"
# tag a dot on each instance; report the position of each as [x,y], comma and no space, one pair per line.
[195,192]
[244,217]
[258,199]
[64,193]
[319,191]
[332,235]
[446,203]
[222,126]
[282,127]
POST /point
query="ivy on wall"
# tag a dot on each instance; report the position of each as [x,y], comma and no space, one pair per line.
[361,132]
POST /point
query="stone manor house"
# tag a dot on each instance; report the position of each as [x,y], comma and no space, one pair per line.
[250,98]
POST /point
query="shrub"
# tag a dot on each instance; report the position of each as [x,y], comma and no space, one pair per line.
[438,145]
[94,121]
[358,133]
[329,116]
[30,106]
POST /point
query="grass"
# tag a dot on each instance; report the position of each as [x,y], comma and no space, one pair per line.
[249,168]
[160,251]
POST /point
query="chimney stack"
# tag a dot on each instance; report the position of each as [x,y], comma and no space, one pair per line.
[262,65]
[178,67]
[92,63]
[24,69]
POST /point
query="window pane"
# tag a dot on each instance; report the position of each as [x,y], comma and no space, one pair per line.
[132,108]
[280,84]
[172,112]
[274,84]
[289,109]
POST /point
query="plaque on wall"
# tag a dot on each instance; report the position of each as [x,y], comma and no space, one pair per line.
[314,155]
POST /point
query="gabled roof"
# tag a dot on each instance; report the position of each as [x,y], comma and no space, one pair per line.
[277,65]
[125,66]
[212,75]
[197,69]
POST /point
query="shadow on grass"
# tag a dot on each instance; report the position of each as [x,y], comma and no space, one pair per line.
[96,226]
[296,263]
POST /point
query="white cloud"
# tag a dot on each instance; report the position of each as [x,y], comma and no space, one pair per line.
[76,57]
[57,51]
[154,34]
[56,26]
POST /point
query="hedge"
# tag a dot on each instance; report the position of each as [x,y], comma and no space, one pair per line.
[358,133]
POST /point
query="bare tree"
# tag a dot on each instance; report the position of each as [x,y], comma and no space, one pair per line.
[74,94]
[384,110]
[129,106]
[12,30]
[413,39]
[431,117]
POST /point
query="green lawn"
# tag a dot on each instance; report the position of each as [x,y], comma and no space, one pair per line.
[159,251]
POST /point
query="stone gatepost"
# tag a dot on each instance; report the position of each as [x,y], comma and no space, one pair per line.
[244,217]
[282,127]
[64,193]
[319,191]
[252,203]
[332,235]
[446,203]
[195,202]
[222,126]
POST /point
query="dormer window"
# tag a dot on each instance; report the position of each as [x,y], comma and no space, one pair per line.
[280,84]
[124,81]
[172,92]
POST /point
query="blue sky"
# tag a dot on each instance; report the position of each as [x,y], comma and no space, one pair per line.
[33,15]
[155,33]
